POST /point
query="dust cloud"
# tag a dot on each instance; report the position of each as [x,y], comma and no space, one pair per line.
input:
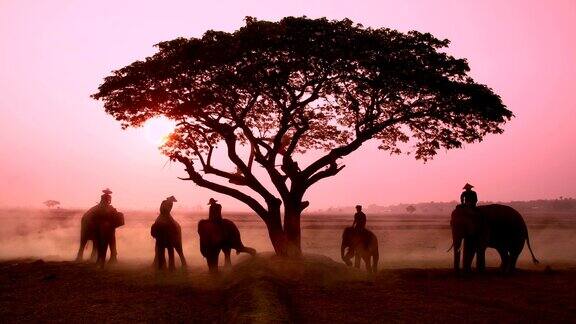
[405,241]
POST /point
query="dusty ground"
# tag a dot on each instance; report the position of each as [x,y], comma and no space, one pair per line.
[267,289]
[414,283]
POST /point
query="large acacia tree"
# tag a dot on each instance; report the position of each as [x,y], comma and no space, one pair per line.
[280,89]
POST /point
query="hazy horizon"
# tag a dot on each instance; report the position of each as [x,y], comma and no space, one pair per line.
[367,207]
[59,144]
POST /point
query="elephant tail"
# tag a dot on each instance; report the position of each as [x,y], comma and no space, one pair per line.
[530,249]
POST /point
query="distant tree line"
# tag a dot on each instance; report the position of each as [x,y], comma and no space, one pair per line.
[560,204]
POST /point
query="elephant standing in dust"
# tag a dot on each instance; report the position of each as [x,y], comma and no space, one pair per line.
[99,225]
[168,235]
[361,244]
[220,235]
[496,226]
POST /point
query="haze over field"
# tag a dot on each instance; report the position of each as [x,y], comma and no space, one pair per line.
[57,143]
[419,241]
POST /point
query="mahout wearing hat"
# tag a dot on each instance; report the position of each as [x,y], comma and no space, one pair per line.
[468,186]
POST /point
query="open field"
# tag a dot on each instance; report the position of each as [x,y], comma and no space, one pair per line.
[414,282]
[406,241]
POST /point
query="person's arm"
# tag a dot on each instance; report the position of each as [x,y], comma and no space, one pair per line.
[462,198]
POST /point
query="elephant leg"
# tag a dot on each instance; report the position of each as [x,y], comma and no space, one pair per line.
[113,251]
[513,258]
[468,255]
[367,262]
[102,250]
[171,262]
[94,253]
[80,253]
[503,259]
[348,256]
[178,249]
[357,260]
[375,257]
[156,261]
[160,256]
[481,259]
[212,260]
[227,260]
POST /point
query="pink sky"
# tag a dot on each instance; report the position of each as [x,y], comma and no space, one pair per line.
[57,143]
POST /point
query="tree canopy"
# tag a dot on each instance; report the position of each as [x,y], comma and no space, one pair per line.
[300,84]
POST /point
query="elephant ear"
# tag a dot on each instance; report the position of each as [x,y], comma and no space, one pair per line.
[154,230]
[119,220]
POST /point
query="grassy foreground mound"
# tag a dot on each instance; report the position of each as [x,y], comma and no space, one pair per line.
[267,289]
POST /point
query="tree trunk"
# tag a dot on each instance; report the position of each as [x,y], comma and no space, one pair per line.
[292,230]
[285,239]
[277,235]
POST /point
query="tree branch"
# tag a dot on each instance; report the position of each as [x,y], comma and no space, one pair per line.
[200,181]
[251,180]
[332,170]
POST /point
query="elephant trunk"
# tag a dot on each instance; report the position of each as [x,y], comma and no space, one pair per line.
[347,243]
[246,249]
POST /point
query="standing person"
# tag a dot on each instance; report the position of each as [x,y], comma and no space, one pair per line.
[468,197]
[359,219]
[215,211]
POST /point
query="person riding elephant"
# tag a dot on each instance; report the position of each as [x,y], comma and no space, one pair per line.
[497,226]
[220,234]
[215,210]
[360,244]
[359,222]
[168,235]
[468,197]
[99,225]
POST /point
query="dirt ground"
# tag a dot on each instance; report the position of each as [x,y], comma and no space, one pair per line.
[267,289]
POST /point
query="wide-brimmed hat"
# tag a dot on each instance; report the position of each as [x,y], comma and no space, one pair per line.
[468,186]
[107,191]
[172,199]
[212,201]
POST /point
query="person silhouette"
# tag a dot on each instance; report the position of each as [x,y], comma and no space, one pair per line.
[468,197]
[215,211]
[359,219]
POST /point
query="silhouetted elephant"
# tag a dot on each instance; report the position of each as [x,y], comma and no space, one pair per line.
[168,235]
[99,225]
[361,243]
[100,228]
[496,226]
[216,236]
